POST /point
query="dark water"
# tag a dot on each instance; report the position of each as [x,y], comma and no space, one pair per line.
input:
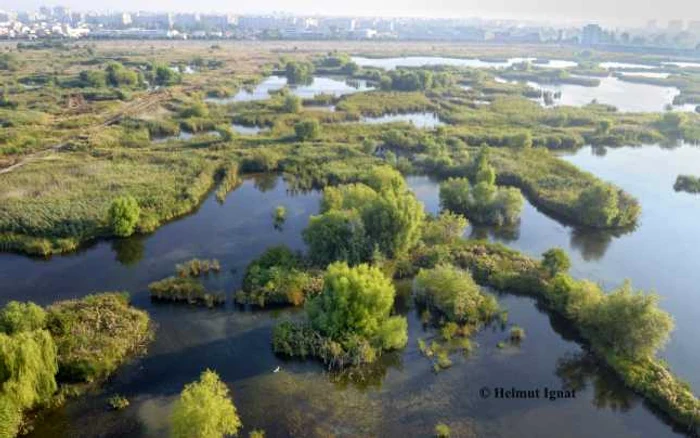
[399,396]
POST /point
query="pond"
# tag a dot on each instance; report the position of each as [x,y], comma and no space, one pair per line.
[647,74]
[419,120]
[421,61]
[660,255]
[683,64]
[612,65]
[625,96]
[400,395]
[247,130]
[184,136]
[336,86]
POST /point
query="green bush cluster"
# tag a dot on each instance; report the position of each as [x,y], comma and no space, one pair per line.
[687,183]
[349,322]
[205,410]
[624,327]
[185,289]
[380,214]
[70,341]
[197,267]
[278,277]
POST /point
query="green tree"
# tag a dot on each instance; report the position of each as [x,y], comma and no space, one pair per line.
[357,301]
[453,292]
[118,75]
[292,104]
[337,235]
[28,367]
[205,410]
[598,205]
[164,75]
[18,317]
[299,72]
[455,195]
[123,215]
[629,323]
[93,78]
[307,129]
[445,229]
[394,222]
[555,261]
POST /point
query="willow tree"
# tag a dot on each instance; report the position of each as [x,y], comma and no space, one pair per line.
[205,410]
[357,301]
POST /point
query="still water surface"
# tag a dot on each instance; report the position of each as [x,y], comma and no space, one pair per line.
[400,395]
[337,86]
[625,96]
[420,61]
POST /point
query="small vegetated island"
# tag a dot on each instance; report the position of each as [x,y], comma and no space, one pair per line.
[50,354]
[116,148]
[687,183]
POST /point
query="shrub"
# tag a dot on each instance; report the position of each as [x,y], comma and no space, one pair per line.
[307,129]
[205,410]
[442,430]
[354,301]
[292,104]
[484,203]
[276,278]
[124,215]
[118,402]
[337,235]
[184,289]
[555,261]
[197,267]
[445,229]
[94,335]
[687,183]
[18,317]
[517,334]
[452,292]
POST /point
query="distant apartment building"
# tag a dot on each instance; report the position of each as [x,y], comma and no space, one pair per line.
[186,20]
[338,24]
[117,20]
[260,23]
[216,21]
[148,20]
[7,17]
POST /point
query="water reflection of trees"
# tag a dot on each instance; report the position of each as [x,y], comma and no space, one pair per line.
[128,251]
[579,370]
[369,376]
[592,244]
[265,181]
[503,233]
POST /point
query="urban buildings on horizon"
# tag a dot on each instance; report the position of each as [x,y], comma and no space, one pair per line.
[62,22]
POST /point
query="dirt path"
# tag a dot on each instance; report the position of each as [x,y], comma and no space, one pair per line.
[130,109]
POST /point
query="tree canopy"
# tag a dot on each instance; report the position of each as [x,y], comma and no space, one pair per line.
[357,301]
[452,292]
[123,215]
[205,410]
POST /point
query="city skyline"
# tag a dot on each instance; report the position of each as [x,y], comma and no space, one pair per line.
[527,10]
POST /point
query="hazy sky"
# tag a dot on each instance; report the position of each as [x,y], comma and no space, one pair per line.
[607,11]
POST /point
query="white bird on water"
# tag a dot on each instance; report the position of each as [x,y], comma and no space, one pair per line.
[276,370]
